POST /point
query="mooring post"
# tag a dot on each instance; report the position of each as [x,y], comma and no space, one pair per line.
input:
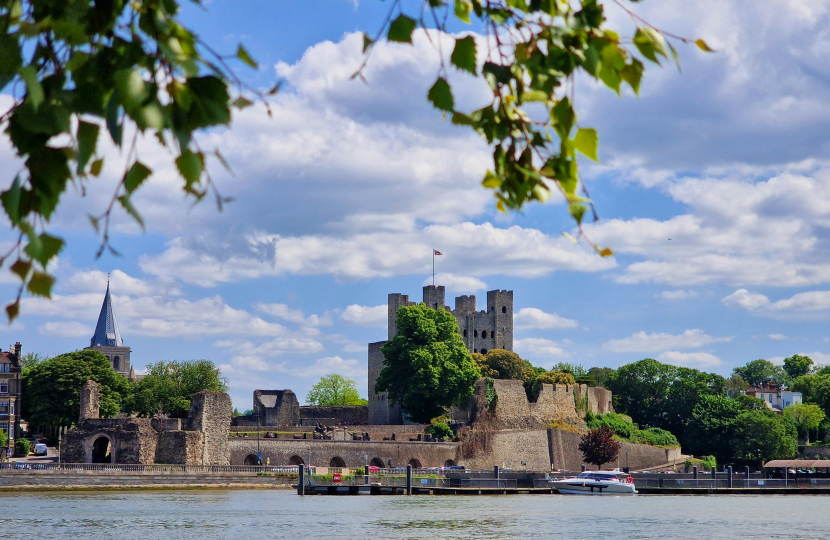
[366,475]
[301,481]
[786,478]
[409,479]
[730,476]
[694,472]
[583,468]
[746,474]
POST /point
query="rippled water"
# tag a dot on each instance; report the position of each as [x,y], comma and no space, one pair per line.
[246,515]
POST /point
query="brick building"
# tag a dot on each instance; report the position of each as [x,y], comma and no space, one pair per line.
[10,392]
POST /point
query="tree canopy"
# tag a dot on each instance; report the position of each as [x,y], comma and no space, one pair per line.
[334,390]
[52,388]
[168,387]
[761,436]
[426,366]
[760,371]
[599,446]
[798,365]
[805,417]
[79,71]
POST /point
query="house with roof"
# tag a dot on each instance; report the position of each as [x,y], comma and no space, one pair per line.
[773,395]
[10,392]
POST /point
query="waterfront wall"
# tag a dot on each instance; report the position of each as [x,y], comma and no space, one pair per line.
[512,449]
[351,453]
[63,480]
[565,454]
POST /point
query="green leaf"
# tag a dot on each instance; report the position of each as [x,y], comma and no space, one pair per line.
[128,206]
[703,46]
[565,117]
[464,54]
[21,268]
[577,210]
[491,181]
[113,124]
[243,55]
[586,141]
[462,10]
[40,285]
[401,29]
[11,201]
[241,103]
[137,174]
[34,90]
[95,169]
[190,166]
[367,42]
[675,56]
[12,310]
[650,43]
[87,140]
[44,248]
[132,89]
[441,95]
[633,74]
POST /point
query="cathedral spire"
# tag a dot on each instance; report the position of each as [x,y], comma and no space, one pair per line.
[106,331]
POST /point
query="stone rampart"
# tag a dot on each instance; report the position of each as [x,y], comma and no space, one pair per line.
[513,449]
[180,447]
[210,413]
[352,453]
[513,410]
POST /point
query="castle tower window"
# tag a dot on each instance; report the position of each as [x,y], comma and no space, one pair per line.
[483,351]
[116,363]
[465,333]
[484,333]
[475,350]
[504,309]
[475,333]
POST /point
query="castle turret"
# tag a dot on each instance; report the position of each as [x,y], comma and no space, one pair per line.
[434,296]
[500,303]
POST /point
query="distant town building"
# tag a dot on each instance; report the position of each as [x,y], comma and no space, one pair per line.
[10,392]
[775,398]
[107,339]
[480,330]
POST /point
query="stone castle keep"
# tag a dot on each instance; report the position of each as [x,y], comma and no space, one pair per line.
[480,330]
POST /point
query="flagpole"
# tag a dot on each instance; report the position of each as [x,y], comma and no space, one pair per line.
[433,267]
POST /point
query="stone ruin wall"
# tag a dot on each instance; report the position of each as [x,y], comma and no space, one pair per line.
[210,413]
[565,453]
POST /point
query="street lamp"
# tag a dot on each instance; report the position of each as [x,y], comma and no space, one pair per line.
[59,447]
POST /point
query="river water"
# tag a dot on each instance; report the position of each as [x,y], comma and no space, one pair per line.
[251,515]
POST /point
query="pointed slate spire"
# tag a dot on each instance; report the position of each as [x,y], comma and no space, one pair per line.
[106,331]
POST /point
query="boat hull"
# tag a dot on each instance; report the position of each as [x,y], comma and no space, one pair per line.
[580,488]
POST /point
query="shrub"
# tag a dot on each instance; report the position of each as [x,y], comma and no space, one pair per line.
[4,439]
[22,447]
[556,377]
[441,430]
[655,437]
[709,463]
[621,425]
[490,396]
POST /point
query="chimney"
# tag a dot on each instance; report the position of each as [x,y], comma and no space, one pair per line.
[17,348]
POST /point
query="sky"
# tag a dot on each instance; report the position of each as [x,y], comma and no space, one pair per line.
[713,189]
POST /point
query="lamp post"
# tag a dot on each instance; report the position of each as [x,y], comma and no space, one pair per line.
[258,452]
[59,447]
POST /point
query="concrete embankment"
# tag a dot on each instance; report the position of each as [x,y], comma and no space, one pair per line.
[48,481]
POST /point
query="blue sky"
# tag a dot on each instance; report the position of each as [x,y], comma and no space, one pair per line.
[343,193]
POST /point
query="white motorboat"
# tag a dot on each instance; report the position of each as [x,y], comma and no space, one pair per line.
[596,483]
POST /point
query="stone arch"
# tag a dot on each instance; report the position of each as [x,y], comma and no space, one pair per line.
[504,309]
[251,459]
[337,461]
[483,351]
[296,460]
[449,463]
[377,462]
[101,450]
[416,464]
[116,363]
[484,333]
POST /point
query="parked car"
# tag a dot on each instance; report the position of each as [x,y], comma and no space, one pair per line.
[41,449]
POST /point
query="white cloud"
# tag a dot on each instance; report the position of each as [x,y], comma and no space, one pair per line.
[459,284]
[371,317]
[538,347]
[656,342]
[677,295]
[353,369]
[699,360]
[536,318]
[777,337]
[274,347]
[797,305]
[65,329]
[744,299]
[284,312]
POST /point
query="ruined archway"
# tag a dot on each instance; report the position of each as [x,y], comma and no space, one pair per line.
[449,463]
[101,450]
[296,460]
[251,459]
[377,462]
[337,461]
[415,463]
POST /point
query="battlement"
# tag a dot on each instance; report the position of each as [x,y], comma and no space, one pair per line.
[465,303]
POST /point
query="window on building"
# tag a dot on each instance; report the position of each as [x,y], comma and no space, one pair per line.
[4,368]
[504,309]
[465,333]
[484,333]
[4,387]
[4,426]
[475,333]
[4,406]
[116,363]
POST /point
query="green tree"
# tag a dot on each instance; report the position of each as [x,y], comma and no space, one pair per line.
[758,437]
[30,359]
[133,68]
[820,394]
[574,369]
[797,365]
[805,384]
[760,372]
[426,366]
[334,390]
[735,386]
[556,377]
[168,387]
[751,403]
[502,364]
[52,388]
[4,442]
[600,375]
[805,417]
[710,427]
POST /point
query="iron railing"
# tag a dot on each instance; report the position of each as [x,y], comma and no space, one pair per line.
[106,468]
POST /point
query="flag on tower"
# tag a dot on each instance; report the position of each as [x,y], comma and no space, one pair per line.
[436,252]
